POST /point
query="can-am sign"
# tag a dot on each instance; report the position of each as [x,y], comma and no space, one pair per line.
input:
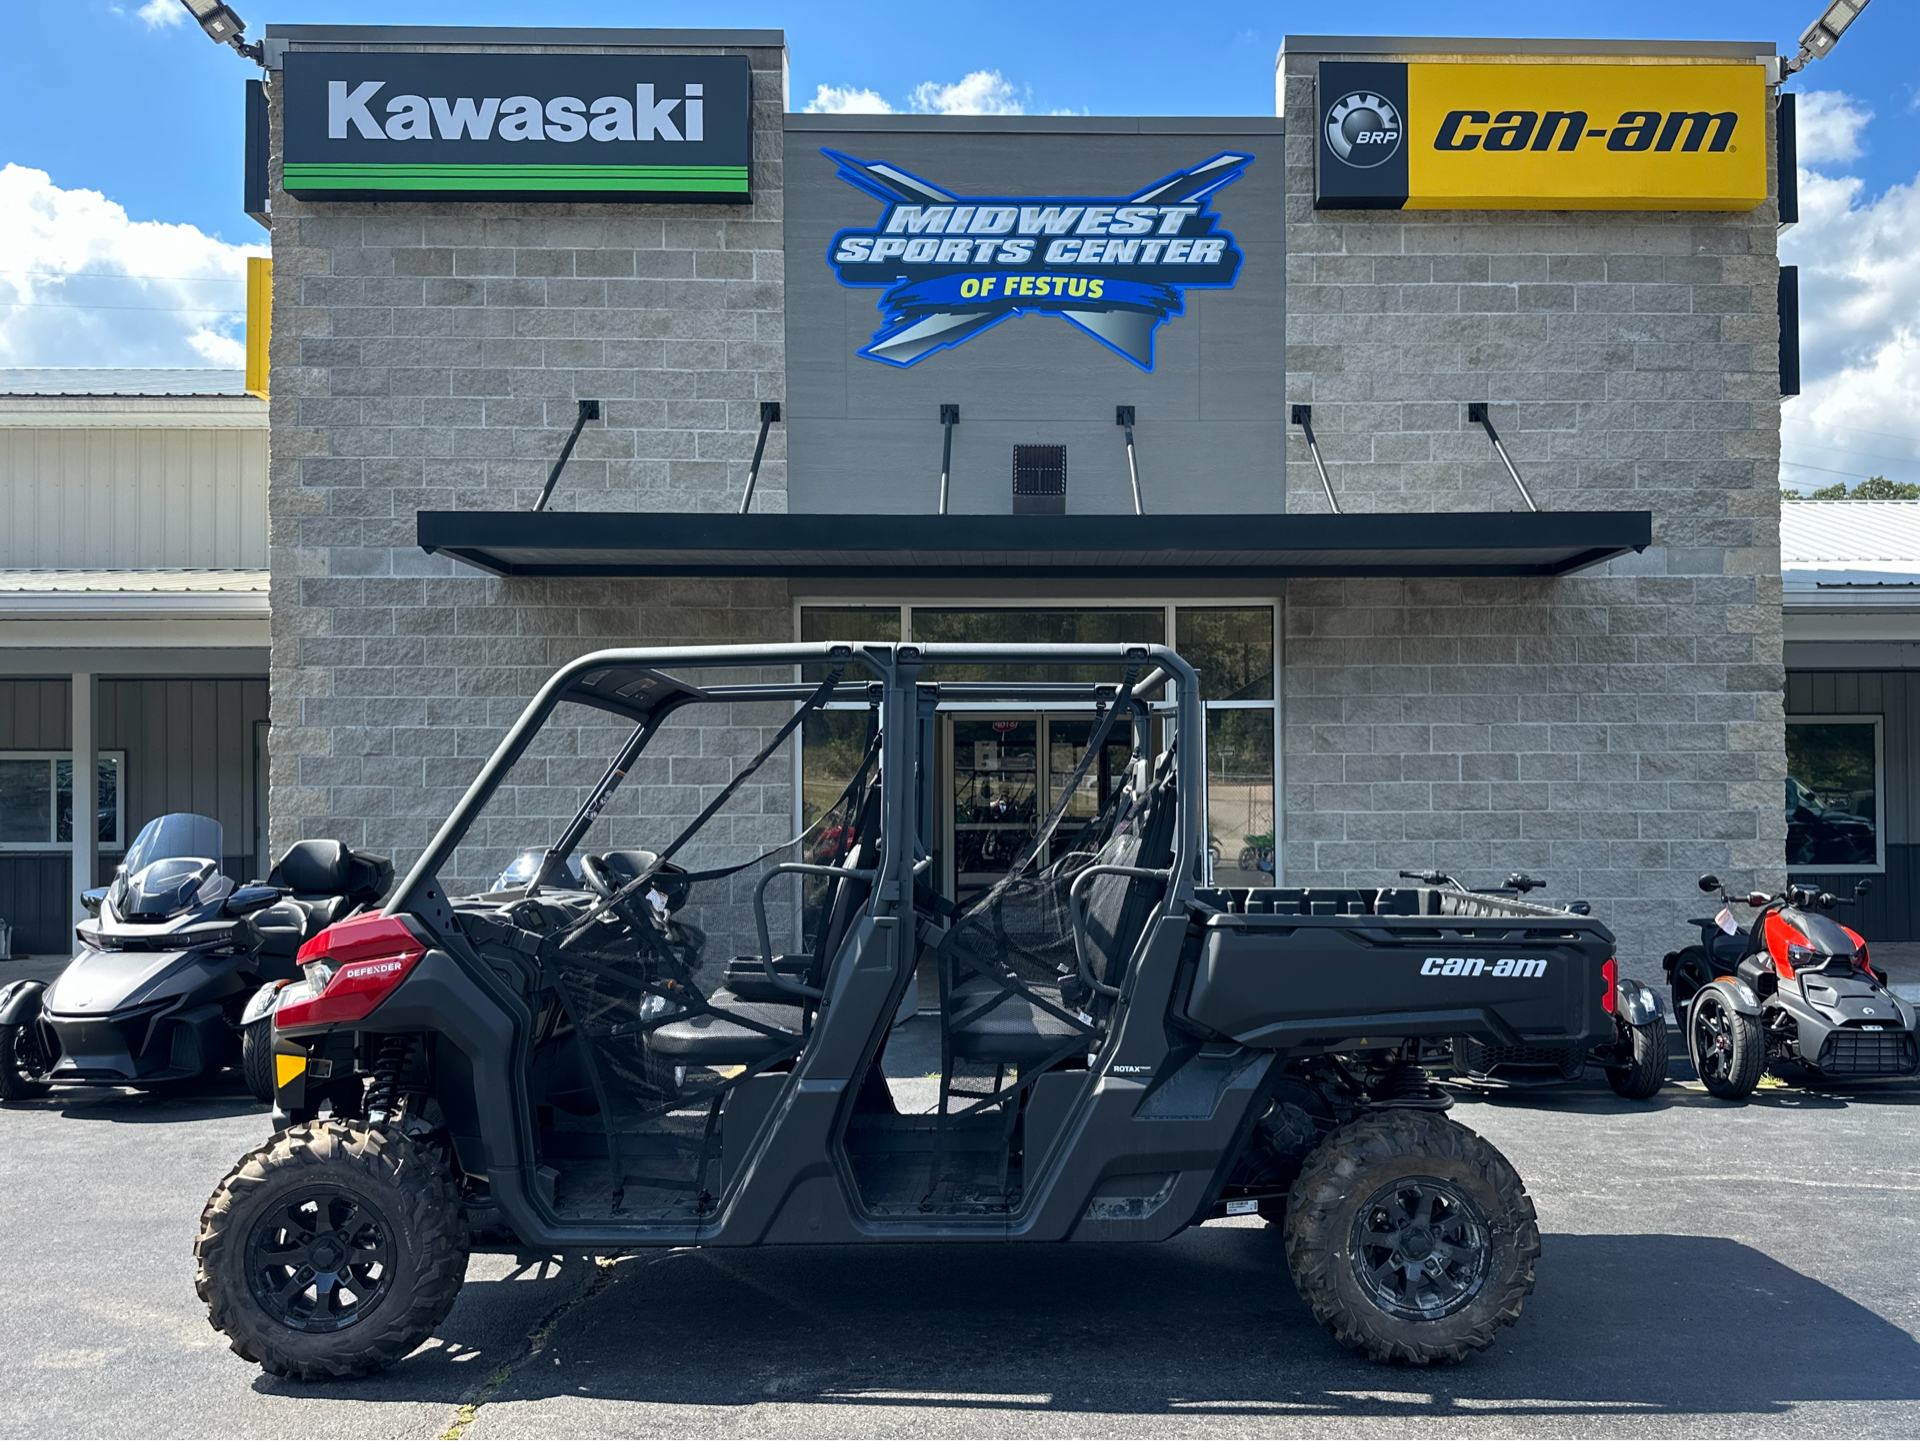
[1553,135]
[527,127]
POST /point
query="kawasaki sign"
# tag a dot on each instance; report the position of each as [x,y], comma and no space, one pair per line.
[516,127]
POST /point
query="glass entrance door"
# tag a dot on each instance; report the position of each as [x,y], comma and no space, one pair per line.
[1004,774]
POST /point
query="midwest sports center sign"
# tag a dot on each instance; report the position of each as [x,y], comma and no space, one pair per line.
[952,266]
[366,126]
[1437,135]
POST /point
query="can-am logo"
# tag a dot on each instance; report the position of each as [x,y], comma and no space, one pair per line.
[359,110]
[1480,966]
[1562,130]
[952,266]
[1364,129]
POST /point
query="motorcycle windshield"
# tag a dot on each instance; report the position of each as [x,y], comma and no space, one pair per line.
[179,836]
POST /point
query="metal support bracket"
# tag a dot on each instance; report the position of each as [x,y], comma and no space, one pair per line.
[589,410]
[1123,415]
[769,416]
[949,417]
[1303,417]
[1477,415]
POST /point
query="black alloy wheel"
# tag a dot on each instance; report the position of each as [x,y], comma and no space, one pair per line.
[1725,1046]
[321,1261]
[25,1066]
[1420,1248]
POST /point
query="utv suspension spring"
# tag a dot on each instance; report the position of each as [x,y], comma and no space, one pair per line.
[395,1052]
[1407,1085]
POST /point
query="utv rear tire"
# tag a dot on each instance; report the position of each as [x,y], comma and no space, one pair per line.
[1375,1193]
[314,1197]
[1726,1048]
[256,1059]
[1642,1078]
[23,1069]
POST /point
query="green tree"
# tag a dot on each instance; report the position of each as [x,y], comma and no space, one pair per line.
[1836,491]
[1878,487]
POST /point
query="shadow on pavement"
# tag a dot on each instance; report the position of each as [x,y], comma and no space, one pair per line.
[1206,1324]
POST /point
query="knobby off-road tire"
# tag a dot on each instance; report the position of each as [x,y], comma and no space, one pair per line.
[1727,1049]
[1411,1238]
[256,1059]
[1642,1078]
[379,1210]
[23,1069]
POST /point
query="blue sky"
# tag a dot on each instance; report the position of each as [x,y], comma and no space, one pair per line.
[150,115]
[121,240]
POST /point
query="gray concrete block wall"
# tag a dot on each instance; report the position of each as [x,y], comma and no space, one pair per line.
[1616,732]
[429,357]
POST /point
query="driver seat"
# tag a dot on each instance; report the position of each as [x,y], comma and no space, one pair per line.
[708,1039]
[327,881]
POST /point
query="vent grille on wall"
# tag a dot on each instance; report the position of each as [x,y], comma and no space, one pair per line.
[1039,480]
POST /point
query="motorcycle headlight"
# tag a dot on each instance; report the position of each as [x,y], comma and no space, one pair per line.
[1800,957]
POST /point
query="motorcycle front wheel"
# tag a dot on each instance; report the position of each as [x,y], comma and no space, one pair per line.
[1726,1047]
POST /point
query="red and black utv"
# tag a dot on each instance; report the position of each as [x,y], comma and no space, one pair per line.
[587,1066]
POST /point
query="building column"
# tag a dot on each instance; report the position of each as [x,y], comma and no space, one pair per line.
[86,786]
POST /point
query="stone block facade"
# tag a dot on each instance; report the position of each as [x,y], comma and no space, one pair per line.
[1616,732]
[430,357]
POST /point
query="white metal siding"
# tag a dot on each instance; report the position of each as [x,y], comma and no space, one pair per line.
[159,498]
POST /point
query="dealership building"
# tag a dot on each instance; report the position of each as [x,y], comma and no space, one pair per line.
[1230,383]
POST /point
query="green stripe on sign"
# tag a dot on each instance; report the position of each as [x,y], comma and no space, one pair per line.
[313,175]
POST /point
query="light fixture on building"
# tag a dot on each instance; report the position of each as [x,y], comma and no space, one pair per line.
[223,27]
[1824,33]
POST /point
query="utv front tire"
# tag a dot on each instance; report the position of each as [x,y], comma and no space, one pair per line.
[333,1250]
[1726,1048]
[256,1059]
[1411,1238]
[23,1067]
[1642,1077]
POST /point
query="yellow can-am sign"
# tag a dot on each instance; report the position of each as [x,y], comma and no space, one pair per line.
[1547,136]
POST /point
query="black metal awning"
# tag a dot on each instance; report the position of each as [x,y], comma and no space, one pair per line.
[839,547]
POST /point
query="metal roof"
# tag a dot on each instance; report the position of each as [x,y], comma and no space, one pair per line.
[73,380]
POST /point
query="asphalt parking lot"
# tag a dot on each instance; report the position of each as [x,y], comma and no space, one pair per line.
[1708,1269]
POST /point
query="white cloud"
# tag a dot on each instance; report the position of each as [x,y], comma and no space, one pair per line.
[1859,259]
[1827,126]
[160,14]
[983,92]
[847,100]
[83,284]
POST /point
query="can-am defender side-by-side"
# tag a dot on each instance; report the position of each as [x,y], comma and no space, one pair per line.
[1125,1051]
[158,994]
[1795,989]
[1633,1058]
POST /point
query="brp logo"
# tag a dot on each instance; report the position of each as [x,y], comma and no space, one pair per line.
[1364,129]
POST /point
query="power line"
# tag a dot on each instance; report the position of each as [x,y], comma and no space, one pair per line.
[1860,429]
[1802,465]
[75,305]
[127,275]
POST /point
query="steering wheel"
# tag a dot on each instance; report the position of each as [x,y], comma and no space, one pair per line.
[593,870]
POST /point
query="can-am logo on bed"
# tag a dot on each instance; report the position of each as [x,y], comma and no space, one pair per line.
[952,266]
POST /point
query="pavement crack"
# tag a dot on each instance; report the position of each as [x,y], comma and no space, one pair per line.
[469,1410]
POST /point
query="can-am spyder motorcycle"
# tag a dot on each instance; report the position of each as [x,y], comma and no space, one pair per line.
[168,960]
[1795,989]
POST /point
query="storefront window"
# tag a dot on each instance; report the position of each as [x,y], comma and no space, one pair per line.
[849,623]
[1231,647]
[1240,795]
[1833,794]
[36,799]
[1036,627]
